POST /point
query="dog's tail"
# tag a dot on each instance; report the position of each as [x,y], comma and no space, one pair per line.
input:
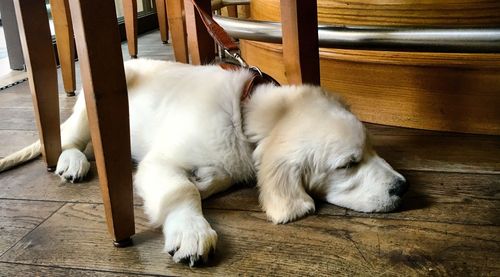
[26,154]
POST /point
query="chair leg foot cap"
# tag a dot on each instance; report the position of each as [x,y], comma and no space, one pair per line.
[51,168]
[133,56]
[123,243]
[70,93]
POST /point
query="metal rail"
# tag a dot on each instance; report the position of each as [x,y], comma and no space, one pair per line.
[464,40]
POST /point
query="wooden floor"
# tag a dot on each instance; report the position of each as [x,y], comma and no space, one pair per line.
[449,223]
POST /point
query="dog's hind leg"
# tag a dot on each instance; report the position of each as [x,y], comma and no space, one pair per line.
[73,165]
[171,199]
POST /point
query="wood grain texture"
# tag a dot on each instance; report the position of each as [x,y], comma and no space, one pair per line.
[103,77]
[299,23]
[65,42]
[447,92]
[249,244]
[15,269]
[22,119]
[40,62]
[161,12]
[32,182]
[178,32]
[130,15]
[200,43]
[19,96]
[18,218]
[13,140]
[445,13]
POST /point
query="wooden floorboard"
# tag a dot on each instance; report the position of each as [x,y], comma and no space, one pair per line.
[18,218]
[448,225]
[249,244]
[17,269]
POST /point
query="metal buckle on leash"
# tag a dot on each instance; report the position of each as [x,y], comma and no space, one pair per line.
[236,55]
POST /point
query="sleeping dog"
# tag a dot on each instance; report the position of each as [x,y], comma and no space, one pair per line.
[193,137]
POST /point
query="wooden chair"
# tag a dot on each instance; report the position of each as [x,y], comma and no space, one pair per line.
[300,39]
[98,44]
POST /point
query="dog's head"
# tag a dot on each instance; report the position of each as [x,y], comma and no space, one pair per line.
[310,144]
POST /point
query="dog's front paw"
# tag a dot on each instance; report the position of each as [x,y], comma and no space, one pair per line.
[72,165]
[189,238]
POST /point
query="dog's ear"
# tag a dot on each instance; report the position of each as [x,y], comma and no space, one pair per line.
[282,194]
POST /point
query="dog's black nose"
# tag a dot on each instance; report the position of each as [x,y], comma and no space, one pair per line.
[399,188]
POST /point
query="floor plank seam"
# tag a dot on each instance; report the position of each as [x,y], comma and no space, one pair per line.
[475,172]
[31,231]
[84,269]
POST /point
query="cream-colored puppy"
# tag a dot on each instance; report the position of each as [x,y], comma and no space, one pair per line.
[192,138]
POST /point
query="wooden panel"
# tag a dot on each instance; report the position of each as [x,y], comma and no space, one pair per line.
[98,43]
[18,218]
[451,92]
[249,244]
[300,41]
[40,63]
[478,13]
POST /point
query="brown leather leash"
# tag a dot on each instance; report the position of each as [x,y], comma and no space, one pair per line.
[222,38]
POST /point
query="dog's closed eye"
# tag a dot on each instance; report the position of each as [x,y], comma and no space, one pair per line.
[349,164]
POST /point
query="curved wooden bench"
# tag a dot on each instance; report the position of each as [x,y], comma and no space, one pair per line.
[437,91]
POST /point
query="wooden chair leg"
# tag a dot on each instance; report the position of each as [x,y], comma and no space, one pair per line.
[299,21]
[200,43]
[65,43]
[103,79]
[176,22]
[130,15]
[39,56]
[161,11]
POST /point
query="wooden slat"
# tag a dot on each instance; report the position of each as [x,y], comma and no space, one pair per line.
[65,43]
[18,218]
[175,15]
[299,22]
[445,13]
[40,62]
[200,43]
[249,244]
[103,77]
[130,15]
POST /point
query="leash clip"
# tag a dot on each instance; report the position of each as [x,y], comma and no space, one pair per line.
[236,55]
